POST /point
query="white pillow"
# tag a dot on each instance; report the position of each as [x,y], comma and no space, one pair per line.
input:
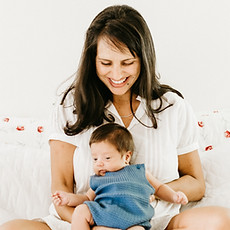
[216,168]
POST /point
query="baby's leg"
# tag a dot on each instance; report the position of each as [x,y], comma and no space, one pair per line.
[82,218]
[136,228]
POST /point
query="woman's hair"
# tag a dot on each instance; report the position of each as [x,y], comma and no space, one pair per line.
[115,134]
[123,26]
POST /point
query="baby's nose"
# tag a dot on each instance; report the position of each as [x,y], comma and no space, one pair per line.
[100,163]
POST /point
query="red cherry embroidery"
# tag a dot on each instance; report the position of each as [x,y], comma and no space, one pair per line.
[208,148]
[6,119]
[20,128]
[40,129]
[201,124]
[227,134]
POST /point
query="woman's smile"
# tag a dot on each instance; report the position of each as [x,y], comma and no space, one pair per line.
[119,83]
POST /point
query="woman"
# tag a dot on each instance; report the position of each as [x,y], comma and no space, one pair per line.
[116,81]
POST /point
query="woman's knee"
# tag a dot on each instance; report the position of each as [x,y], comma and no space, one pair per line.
[24,225]
[205,218]
[13,224]
[216,218]
[221,218]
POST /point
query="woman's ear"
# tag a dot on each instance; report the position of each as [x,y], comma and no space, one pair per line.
[128,156]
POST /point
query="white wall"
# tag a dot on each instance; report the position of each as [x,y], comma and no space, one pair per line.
[41,42]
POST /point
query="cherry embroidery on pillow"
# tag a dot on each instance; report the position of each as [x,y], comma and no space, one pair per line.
[20,128]
[40,129]
[208,148]
[201,124]
[227,134]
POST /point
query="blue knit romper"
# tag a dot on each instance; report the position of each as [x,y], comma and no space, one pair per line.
[122,198]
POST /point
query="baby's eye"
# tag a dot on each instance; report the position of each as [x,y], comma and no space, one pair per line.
[108,158]
[94,159]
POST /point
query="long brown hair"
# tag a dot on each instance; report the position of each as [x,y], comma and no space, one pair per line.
[124,26]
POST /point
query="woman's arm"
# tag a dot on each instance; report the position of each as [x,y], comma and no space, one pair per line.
[164,192]
[62,174]
[191,180]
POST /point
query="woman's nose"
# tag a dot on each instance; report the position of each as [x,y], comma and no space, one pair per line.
[116,72]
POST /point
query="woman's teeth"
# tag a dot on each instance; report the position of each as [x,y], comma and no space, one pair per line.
[118,82]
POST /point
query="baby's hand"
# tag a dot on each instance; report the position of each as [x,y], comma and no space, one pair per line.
[152,198]
[60,198]
[180,198]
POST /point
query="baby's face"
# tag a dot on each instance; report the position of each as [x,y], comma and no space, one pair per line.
[106,158]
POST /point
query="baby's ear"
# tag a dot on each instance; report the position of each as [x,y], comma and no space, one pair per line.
[128,156]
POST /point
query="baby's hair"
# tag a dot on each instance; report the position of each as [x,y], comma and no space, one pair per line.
[115,134]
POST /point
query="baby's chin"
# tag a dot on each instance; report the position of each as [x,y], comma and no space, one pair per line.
[101,172]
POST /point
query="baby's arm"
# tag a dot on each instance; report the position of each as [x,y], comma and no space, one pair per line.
[71,199]
[164,192]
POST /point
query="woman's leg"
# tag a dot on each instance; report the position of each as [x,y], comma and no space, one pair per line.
[24,225]
[82,218]
[203,218]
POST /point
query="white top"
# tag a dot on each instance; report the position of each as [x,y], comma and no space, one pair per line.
[157,148]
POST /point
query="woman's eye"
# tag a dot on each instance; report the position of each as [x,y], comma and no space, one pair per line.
[128,63]
[105,63]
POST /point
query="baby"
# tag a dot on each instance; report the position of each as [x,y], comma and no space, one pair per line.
[119,192]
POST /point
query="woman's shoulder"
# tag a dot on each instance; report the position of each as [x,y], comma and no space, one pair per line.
[64,107]
[179,105]
[65,91]
[172,98]
[65,98]
[166,100]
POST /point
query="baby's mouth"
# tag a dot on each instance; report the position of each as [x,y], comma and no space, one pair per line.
[102,172]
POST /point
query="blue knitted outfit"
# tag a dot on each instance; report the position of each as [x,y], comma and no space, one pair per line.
[122,198]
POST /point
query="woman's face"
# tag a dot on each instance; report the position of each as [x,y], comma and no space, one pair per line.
[116,68]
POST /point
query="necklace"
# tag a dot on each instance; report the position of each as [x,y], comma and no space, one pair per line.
[127,115]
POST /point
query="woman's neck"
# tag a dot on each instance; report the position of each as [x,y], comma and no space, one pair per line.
[122,105]
[121,99]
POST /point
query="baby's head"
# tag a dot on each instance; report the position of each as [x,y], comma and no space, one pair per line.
[112,147]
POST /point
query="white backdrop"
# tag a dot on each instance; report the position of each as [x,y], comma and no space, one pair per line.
[41,42]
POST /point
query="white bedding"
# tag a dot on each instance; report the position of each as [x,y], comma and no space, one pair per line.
[216,167]
[25,183]
[24,168]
